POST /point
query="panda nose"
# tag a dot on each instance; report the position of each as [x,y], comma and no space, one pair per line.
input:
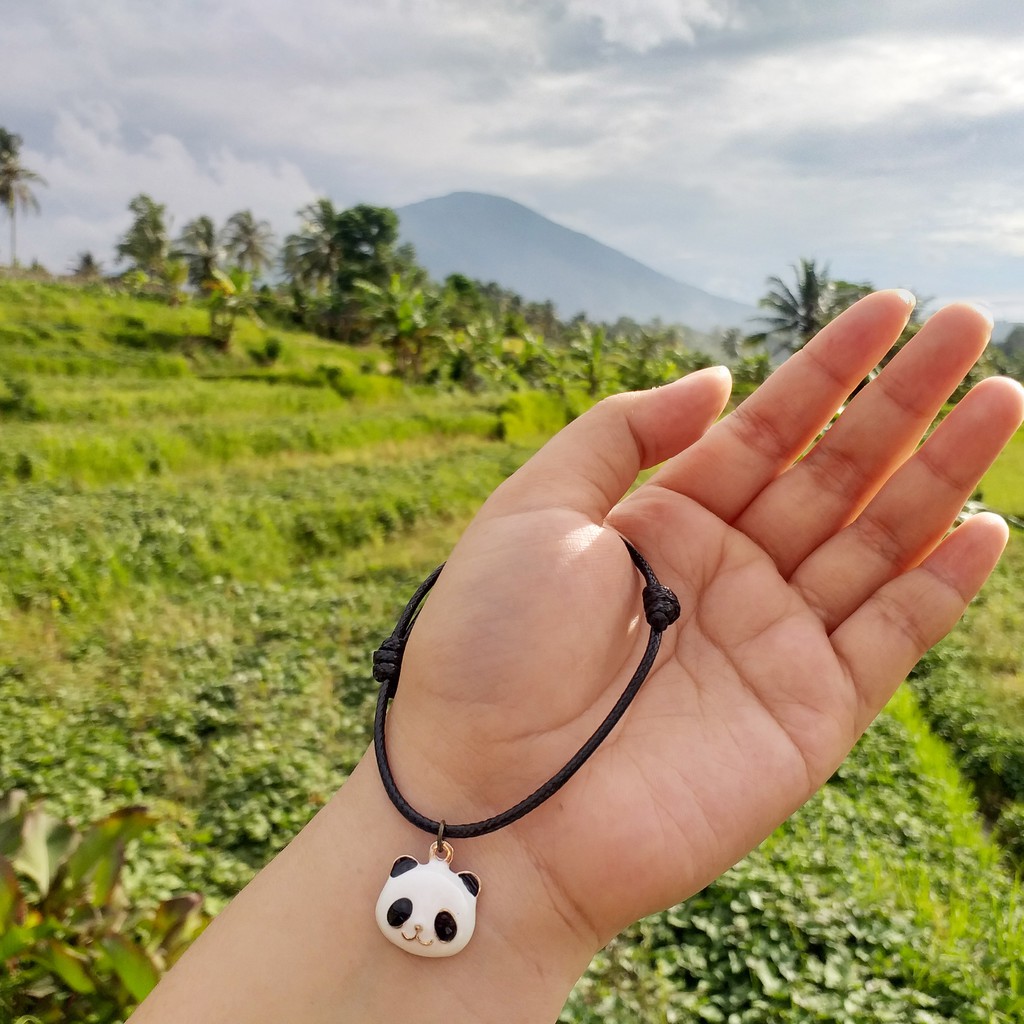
[417,936]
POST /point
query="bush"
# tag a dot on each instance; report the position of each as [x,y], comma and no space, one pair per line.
[73,946]
[19,403]
[527,416]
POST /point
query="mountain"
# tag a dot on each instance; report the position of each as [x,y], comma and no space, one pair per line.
[495,239]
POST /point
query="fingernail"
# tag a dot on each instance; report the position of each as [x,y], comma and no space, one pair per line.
[907,296]
[983,310]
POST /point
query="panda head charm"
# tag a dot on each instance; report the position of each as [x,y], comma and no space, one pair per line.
[428,909]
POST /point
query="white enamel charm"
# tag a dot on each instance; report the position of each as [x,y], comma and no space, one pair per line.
[428,909]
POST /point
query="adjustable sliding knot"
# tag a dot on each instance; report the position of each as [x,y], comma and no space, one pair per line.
[661,606]
[387,662]
[661,609]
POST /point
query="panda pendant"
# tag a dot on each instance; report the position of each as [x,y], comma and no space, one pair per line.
[428,909]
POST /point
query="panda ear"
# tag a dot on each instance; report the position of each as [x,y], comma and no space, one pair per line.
[470,881]
[402,865]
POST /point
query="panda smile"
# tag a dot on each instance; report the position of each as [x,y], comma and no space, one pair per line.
[416,937]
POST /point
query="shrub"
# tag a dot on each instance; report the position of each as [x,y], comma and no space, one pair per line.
[74,948]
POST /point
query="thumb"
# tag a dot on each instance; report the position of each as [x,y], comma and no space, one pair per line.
[590,464]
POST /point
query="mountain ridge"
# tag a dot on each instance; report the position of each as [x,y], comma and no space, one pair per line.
[493,238]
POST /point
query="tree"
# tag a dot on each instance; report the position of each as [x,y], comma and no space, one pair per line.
[248,242]
[200,247]
[366,236]
[16,182]
[144,245]
[312,256]
[174,277]
[407,320]
[646,357]
[588,349]
[798,313]
[86,267]
[231,296]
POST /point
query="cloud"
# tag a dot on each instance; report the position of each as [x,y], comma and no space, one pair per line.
[642,25]
[94,170]
[717,140]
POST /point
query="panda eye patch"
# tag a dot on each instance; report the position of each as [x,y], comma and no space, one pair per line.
[445,926]
[399,912]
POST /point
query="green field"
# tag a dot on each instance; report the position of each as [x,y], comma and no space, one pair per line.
[201,551]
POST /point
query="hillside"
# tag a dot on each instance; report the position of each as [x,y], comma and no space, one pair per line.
[495,239]
[200,552]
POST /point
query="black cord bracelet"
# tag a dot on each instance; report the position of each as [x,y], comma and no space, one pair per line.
[661,609]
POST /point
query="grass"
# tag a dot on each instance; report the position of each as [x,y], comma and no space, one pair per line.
[991,634]
[1002,488]
[200,553]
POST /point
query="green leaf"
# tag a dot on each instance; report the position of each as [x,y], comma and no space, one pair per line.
[69,965]
[45,842]
[101,851]
[175,919]
[12,819]
[12,903]
[15,940]
[136,970]
[106,875]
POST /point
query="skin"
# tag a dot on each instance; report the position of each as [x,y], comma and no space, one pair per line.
[809,587]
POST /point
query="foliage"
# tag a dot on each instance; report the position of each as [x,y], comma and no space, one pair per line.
[407,322]
[248,242]
[971,687]
[144,245]
[797,313]
[202,548]
[74,946]
[311,258]
[535,415]
[16,181]
[230,296]
[86,267]
[19,402]
[1002,488]
[200,248]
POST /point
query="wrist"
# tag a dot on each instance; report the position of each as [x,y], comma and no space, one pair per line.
[528,948]
[301,940]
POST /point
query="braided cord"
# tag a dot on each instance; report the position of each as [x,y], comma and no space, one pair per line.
[661,609]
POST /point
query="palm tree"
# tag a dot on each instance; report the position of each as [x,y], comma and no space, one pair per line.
[145,242]
[248,242]
[200,247]
[797,314]
[16,182]
[313,255]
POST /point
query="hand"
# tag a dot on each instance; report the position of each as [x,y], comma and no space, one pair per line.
[809,587]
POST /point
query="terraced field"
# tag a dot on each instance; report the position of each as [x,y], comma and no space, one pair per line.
[199,554]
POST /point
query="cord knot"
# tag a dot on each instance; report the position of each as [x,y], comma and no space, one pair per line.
[387,662]
[661,606]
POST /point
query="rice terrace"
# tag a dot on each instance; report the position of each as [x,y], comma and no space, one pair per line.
[203,539]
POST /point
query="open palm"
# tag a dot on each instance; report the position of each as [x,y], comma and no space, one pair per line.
[812,570]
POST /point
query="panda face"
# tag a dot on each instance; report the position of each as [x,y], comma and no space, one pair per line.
[428,909]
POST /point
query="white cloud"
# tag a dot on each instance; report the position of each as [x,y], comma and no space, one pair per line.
[642,25]
[94,171]
[716,139]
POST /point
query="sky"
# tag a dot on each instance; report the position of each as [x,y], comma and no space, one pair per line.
[718,141]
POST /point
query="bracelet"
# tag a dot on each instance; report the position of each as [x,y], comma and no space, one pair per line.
[430,902]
